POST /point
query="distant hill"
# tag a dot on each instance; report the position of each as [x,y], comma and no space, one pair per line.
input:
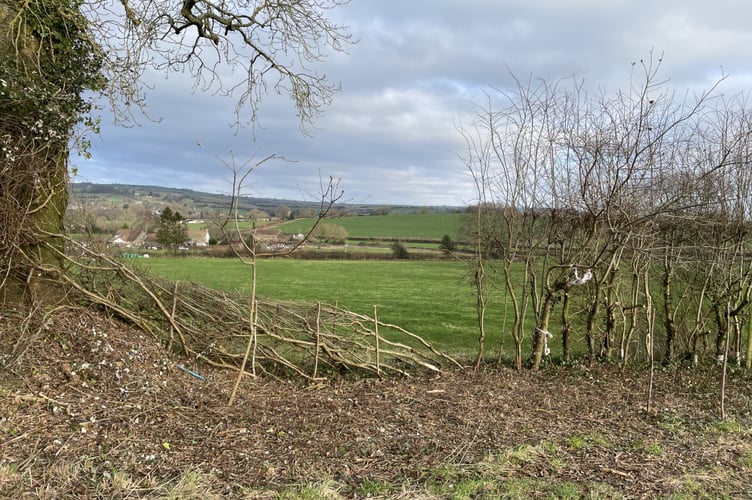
[196,203]
[122,193]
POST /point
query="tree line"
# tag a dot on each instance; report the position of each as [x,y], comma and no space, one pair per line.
[644,192]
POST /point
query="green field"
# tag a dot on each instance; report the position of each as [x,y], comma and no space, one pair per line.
[407,226]
[432,299]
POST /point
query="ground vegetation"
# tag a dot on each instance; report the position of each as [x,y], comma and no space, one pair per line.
[105,411]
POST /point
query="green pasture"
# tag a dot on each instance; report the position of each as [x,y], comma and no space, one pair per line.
[408,226]
[433,299]
[365,250]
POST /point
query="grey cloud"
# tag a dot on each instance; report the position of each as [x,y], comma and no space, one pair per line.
[417,69]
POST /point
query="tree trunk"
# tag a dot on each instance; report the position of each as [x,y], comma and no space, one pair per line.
[33,262]
[566,328]
[480,309]
[748,363]
[668,320]
[33,169]
[518,309]
[590,324]
[721,333]
[611,304]
[539,339]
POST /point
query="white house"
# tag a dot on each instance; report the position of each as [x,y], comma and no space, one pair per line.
[199,238]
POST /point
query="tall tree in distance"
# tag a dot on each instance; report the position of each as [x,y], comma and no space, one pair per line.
[172,231]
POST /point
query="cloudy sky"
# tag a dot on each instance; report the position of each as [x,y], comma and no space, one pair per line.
[418,69]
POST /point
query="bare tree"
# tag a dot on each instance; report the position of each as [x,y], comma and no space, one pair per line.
[249,252]
[510,156]
[271,45]
[478,159]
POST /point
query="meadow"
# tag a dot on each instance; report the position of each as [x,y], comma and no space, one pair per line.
[403,226]
[433,299]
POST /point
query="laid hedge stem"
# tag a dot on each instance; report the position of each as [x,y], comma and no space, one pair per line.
[651,354]
[650,316]
[172,316]
[318,340]
[725,361]
[376,333]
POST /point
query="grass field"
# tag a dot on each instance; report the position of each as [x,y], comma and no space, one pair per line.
[408,226]
[432,299]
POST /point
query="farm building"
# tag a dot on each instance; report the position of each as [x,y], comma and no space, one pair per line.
[129,238]
[199,237]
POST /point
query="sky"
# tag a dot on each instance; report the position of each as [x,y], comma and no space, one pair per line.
[418,70]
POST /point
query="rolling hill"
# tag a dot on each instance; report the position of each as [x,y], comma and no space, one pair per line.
[192,203]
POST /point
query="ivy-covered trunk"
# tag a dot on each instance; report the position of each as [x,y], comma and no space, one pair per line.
[46,63]
[34,198]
